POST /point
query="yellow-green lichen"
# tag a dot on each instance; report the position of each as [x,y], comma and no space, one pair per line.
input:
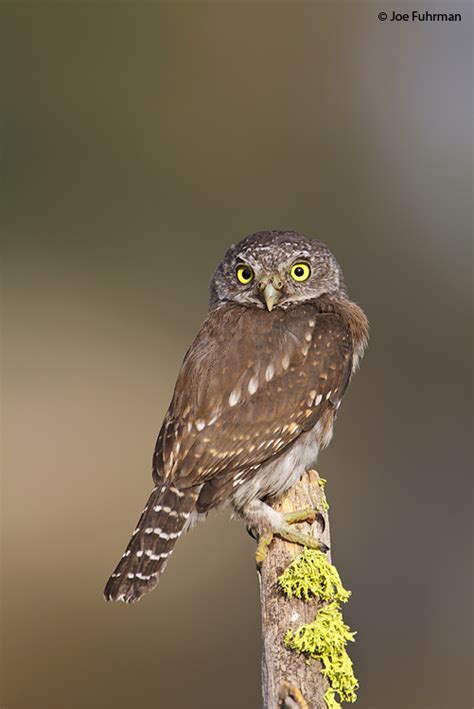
[324,503]
[311,575]
[325,639]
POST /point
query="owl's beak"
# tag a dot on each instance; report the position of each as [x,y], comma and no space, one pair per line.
[271,296]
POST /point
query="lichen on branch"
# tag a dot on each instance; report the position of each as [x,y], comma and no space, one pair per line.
[325,639]
[311,575]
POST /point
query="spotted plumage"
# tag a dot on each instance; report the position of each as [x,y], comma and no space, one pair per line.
[255,398]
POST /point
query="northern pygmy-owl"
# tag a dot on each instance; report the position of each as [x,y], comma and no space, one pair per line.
[255,399]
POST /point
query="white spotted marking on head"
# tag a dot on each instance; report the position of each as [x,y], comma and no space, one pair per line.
[269,372]
[285,361]
[234,397]
[318,400]
[200,424]
[253,385]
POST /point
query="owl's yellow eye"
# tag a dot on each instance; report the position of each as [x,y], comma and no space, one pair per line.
[300,271]
[244,274]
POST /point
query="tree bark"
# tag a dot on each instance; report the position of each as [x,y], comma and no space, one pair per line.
[288,681]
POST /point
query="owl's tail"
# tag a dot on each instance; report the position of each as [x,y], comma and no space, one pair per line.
[144,560]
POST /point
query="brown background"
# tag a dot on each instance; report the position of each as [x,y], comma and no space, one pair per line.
[138,142]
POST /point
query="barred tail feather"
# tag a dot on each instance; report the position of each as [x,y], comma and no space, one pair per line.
[162,522]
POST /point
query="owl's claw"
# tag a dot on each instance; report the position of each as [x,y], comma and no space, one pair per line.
[304,540]
[308,515]
[264,542]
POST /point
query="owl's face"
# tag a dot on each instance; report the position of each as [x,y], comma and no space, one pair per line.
[275,269]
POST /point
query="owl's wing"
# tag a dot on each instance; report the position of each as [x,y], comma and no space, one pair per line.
[250,384]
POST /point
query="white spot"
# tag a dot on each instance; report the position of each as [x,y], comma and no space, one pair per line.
[135,531]
[184,515]
[269,372]
[212,420]
[140,553]
[157,508]
[149,530]
[157,557]
[308,337]
[305,351]
[115,576]
[166,509]
[143,577]
[319,398]
[148,552]
[130,576]
[253,385]
[328,394]
[126,553]
[200,424]
[285,361]
[234,397]
[176,491]
[294,617]
[312,323]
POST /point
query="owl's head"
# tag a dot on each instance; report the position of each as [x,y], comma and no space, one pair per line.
[276,269]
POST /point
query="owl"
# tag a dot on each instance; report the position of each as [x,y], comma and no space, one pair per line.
[255,399]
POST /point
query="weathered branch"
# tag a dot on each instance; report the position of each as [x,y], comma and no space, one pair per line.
[289,682]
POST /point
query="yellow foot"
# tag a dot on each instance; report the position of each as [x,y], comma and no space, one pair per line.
[290,535]
[264,542]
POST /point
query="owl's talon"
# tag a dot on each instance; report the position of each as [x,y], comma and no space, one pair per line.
[261,552]
[304,540]
[308,515]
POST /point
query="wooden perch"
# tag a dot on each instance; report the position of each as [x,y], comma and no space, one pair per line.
[288,681]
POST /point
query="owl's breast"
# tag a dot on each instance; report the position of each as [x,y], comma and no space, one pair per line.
[276,476]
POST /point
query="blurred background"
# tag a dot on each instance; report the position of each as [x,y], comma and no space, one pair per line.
[137,142]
